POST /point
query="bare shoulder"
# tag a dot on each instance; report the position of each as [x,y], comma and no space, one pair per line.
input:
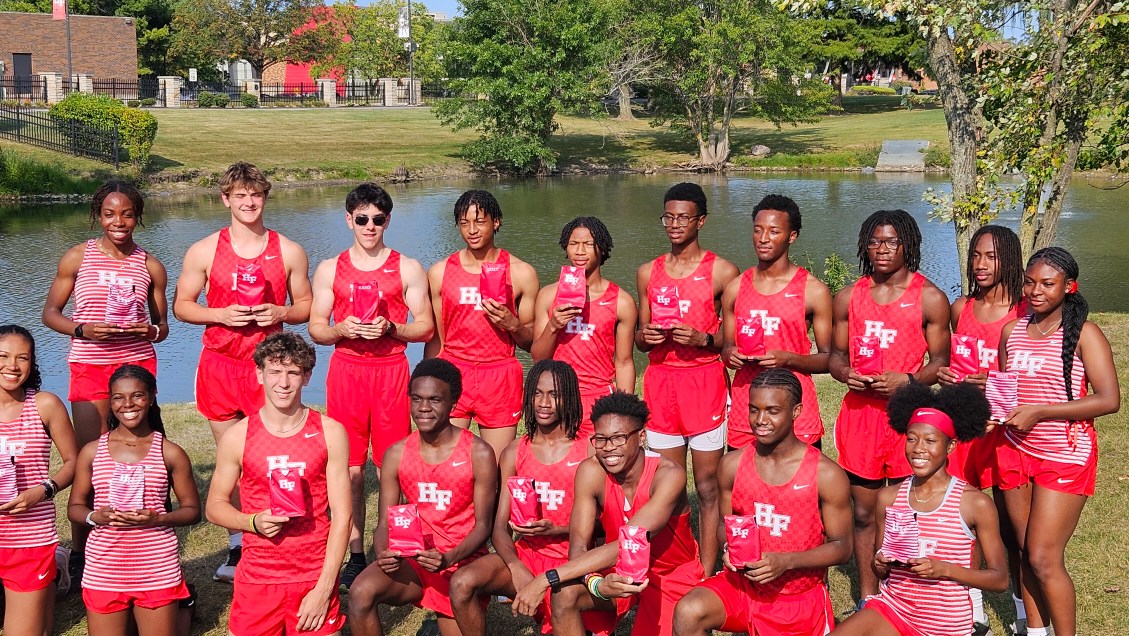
[410,265]
[724,268]
[481,452]
[816,286]
[931,295]
[290,249]
[200,253]
[670,471]
[888,494]
[832,475]
[72,259]
[173,453]
[48,403]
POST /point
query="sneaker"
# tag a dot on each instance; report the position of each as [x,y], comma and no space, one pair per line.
[226,572]
[1019,627]
[76,563]
[62,571]
[981,629]
[350,573]
[430,627]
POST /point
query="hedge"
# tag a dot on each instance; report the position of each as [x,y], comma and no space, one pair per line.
[136,128]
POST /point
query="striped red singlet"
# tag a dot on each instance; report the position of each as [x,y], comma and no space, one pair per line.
[26,440]
[92,283]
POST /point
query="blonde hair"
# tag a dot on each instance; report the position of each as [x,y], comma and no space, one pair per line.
[246,175]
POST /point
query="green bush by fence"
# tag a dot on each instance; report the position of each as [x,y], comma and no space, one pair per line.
[249,100]
[871,90]
[136,128]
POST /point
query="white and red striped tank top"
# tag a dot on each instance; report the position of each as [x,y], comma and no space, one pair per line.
[122,559]
[554,491]
[468,335]
[934,607]
[443,493]
[26,440]
[1039,363]
[696,297]
[784,319]
[588,343]
[239,342]
[987,335]
[91,286]
[391,305]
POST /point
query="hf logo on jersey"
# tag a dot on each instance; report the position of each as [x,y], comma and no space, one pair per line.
[770,323]
[874,329]
[12,447]
[429,492]
[282,462]
[105,279]
[552,499]
[578,326]
[767,517]
[470,296]
[1024,361]
[987,355]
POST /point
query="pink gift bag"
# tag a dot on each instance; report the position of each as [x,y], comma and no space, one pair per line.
[123,307]
[665,309]
[901,538]
[525,507]
[366,301]
[744,540]
[127,487]
[287,493]
[572,288]
[405,530]
[8,490]
[250,285]
[866,355]
[964,355]
[634,554]
[492,283]
[749,336]
[1002,391]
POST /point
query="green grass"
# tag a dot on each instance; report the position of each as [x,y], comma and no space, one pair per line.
[31,171]
[1096,556]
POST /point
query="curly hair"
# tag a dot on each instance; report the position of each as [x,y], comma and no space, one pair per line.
[779,378]
[687,191]
[443,371]
[600,235]
[483,201]
[565,383]
[285,347]
[621,403]
[244,174]
[1075,309]
[1009,261]
[906,229]
[784,204]
[369,194]
[964,403]
[130,191]
[145,377]
[34,378]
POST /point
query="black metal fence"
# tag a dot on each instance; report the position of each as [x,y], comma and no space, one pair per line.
[29,88]
[136,89]
[291,94]
[63,135]
[190,91]
[432,93]
[369,93]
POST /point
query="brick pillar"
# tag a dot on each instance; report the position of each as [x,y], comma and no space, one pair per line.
[253,87]
[85,83]
[327,87]
[390,85]
[54,86]
[170,88]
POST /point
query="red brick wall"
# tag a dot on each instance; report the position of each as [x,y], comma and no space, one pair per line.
[105,47]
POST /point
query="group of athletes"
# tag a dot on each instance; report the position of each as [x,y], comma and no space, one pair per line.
[601,457]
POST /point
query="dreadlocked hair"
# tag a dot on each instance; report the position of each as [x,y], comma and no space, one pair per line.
[1009,261]
[621,403]
[126,189]
[145,377]
[483,201]
[600,235]
[687,191]
[782,379]
[906,229]
[964,403]
[567,386]
[1075,309]
[34,377]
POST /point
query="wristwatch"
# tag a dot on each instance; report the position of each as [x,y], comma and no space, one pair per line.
[709,340]
[90,519]
[50,489]
[78,332]
[554,580]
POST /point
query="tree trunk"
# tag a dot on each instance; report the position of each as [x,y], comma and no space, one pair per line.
[715,150]
[625,94]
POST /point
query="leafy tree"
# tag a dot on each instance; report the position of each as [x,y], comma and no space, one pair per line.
[516,64]
[257,31]
[853,38]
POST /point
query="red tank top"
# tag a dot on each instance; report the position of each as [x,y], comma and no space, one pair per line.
[588,342]
[392,306]
[26,440]
[987,335]
[240,342]
[554,491]
[1039,363]
[897,325]
[935,607]
[91,286]
[443,493]
[696,297]
[132,559]
[468,335]
[787,516]
[673,549]
[784,317]
[271,560]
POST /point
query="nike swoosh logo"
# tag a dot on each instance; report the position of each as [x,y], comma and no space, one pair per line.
[606,303]
[574,463]
[389,271]
[332,620]
[309,435]
[716,418]
[42,576]
[270,257]
[904,305]
[518,414]
[799,486]
[790,295]
[457,464]
[1064,481]
[697,278]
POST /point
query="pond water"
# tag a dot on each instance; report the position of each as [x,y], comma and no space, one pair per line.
[32,238]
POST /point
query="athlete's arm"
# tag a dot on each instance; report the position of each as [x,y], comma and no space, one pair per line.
[485,498]
[82,490]
[726,477]
[647,335]
[729,354]
[839,362]
[192,282]
[388,560]
[547,323]
[158,300]
[60,292]
[422,325]
[935,307]
[435,285]
[321,309]
[627,316]
[183,484]
[817,296]
[502,538]
[229,466]
[981,515]
[315,604]
[297,287]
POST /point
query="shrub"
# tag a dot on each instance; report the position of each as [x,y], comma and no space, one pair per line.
[136,128]
[133,103]
[837,273]
[249,100]
[871,90]
[221,100]
[149,101]
[205,99]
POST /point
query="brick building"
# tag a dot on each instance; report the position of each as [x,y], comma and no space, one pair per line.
[103,46]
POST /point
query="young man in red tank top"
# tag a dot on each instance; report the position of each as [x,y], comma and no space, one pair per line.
[596,339]
[624,484]
[369,353]
[277,591]
[788,299]
[909,318]
[478,335]
[801,501]
[226,386]
[685,384]
[451,477]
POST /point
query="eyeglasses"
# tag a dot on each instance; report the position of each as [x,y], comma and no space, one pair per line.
[617,440]
[892,243]
[681,220]
[377,219]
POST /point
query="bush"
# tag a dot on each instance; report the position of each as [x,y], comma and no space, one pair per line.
[136,128]
[249,100]
[871,90]
[149,101]
[837,273]
[205,99]
[221,100]
[133,103]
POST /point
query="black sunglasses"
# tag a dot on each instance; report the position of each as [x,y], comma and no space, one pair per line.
[377,219]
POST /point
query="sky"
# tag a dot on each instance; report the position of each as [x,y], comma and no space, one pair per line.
[450,7]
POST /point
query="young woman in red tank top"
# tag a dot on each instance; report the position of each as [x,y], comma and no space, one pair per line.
[133,561]
[1048,464]
[30,422]
[927,595]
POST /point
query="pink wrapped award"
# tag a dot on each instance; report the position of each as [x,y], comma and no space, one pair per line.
[287,493]
[1002,391]
[901,539]
[634,554]
[866,355]
[964,355]
[366,301]
[525,508]
[127,487]
[749,336]
[405,530]
[492,283]
[8,489]
[250,285]
[744,540]
[665,309]
[572,288]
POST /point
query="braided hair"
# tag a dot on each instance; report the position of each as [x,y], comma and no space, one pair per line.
[565,383]
[600,235]
[145,377]
[964,403]
[782,379]
[1075,309]
[1009,259]
[904,226]
[483,201]
[130,191]
[34,377]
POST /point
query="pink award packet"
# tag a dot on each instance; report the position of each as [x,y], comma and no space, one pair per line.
[749,336]
[744,540]
[1002,391]
[250,285]
[634,554]
[866,355]
[405,530]
[665,309]
[127,487]
[572,288]
[525,507]
[492,282]
[123,307]
[8,489]
[366,301]
[964,355]
[287,493]
[901,539]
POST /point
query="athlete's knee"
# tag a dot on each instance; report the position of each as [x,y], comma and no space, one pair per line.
[692,614]
[708,491]
[567,600]
[464,586]
[863,516]
[1045,561]
[366,591]
[357,477]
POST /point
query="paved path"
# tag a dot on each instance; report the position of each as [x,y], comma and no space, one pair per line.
[902,156]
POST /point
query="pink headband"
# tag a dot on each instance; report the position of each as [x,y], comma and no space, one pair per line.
[936,419]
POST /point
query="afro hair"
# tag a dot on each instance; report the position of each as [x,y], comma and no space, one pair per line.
[964,403]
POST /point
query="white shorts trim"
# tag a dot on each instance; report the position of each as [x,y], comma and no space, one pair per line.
[708,441]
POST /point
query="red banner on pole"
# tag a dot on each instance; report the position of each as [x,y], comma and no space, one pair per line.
[58,9]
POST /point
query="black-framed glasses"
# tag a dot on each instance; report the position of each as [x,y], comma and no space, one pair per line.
[617,440]
[891,243]
[682,220]
[377,219]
